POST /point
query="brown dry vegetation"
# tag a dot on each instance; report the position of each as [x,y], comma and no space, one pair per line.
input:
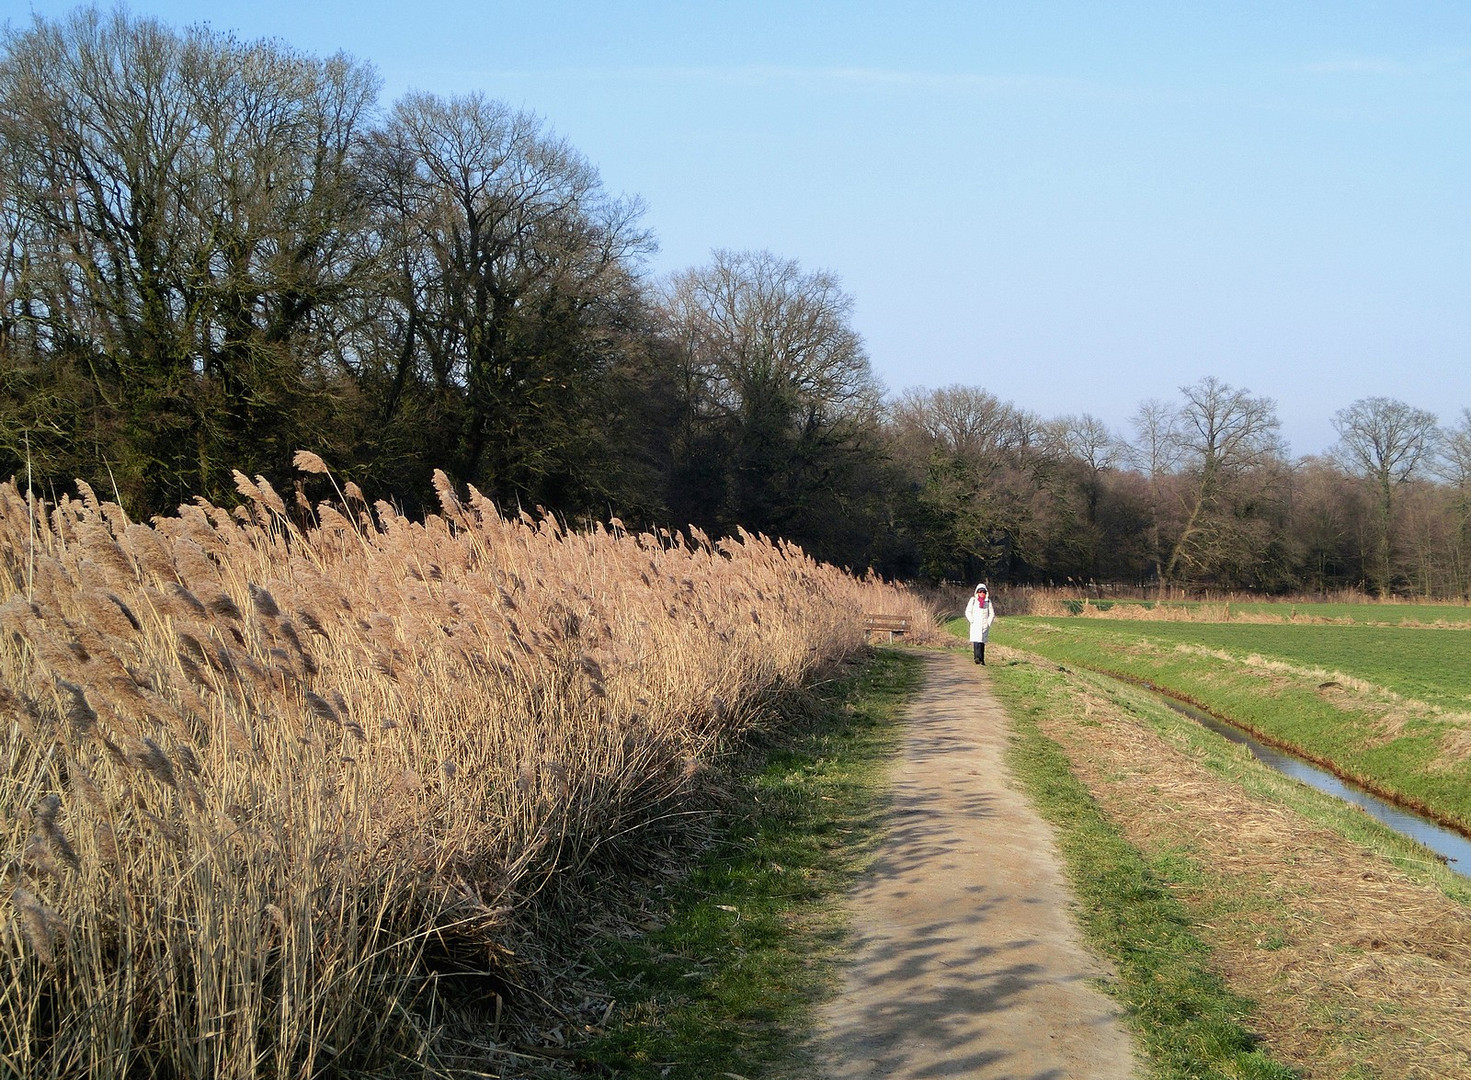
[276,793]
[1359,970]
[1177,606]
[1054,606]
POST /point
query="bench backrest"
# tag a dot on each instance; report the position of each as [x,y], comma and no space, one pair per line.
[886,622]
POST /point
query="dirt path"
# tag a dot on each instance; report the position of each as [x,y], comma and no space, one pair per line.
[966,960]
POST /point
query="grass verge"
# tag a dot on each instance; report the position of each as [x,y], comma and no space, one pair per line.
[1348,935]
[1383,707]
[723,972]
[1185,1018]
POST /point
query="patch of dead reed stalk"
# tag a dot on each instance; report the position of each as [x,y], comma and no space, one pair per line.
[274,780]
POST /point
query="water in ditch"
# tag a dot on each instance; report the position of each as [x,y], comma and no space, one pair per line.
[1451,846]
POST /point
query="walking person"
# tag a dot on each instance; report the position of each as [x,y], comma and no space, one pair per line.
[981,613]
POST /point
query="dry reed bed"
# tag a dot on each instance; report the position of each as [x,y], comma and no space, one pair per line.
[265,782]
[1059,607]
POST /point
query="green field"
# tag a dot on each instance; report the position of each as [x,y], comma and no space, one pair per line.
[1418,662]
[1389,706]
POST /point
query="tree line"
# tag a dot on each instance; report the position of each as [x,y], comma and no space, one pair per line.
[216,252]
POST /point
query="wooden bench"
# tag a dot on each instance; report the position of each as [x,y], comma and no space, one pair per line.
[890,624]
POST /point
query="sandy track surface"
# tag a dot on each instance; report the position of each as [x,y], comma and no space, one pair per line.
[966,961]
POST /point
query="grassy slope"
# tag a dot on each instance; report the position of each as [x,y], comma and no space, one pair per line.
[1196,1026]
[1423,663]
[1286,916]
[1184,1016]
[1391,745]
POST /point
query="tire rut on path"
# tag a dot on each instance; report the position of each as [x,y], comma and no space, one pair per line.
[965,960]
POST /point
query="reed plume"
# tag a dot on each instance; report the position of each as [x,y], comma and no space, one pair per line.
[223,857]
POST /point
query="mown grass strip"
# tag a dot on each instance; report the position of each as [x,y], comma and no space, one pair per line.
[1189,1023]
[727,981]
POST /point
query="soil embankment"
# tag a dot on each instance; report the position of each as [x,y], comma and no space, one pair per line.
[966,961]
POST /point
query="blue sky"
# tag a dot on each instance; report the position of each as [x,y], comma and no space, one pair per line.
[1074,205]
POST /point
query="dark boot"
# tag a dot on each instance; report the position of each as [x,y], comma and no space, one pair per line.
[978,651]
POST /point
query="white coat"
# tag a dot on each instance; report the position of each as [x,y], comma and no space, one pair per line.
[980,618]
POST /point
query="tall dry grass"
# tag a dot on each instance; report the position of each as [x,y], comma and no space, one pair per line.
[1178,605]
[270,787]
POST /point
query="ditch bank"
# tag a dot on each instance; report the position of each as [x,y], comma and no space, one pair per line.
[1449,846]
[1443,834]
[1359,966]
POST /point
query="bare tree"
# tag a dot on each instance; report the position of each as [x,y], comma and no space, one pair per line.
[752,321]
[513,269]
[1454,466]
[970,454]
[179,211]
[962,420]
[1084,439]
[1156,451]
[1454,462]
[776,388]
[1224,433]
[1386,442]
[1075,455]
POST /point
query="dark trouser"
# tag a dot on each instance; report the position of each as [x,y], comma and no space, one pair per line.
[979,648]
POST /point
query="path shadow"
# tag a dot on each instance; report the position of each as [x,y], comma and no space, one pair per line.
[945,976]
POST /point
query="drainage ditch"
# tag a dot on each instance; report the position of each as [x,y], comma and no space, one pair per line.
[1447,844]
